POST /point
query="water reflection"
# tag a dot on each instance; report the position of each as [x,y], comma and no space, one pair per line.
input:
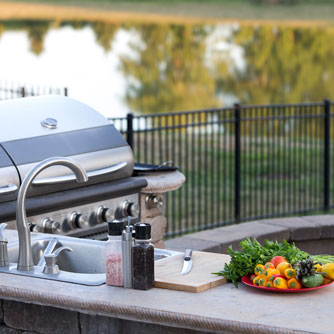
[172,67]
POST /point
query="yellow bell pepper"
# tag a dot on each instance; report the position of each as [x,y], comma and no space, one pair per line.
[270,272]
[269,284]
[280,283]
[294,284]
[328,269]
[262,281]
[290,273]
[256,280]
[259,269]
[318,267]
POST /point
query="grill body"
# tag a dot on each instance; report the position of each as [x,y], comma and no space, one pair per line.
[36,128]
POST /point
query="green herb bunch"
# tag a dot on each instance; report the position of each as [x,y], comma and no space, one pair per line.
[252,253]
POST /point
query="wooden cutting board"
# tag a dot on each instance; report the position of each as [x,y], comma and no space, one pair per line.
[200,278]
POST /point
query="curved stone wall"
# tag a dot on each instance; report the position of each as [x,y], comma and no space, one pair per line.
[314,234]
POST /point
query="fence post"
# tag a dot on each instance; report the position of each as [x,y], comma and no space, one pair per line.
[129,129]
[23,92]
[327,155]
[65,91]
[237,170]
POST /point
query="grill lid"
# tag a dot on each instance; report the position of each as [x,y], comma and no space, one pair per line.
[44,115]
[36,128]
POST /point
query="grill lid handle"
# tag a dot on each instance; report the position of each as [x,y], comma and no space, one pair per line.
[9,188]
[70,178]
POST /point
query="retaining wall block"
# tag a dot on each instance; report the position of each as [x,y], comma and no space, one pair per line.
[40,319]
[99,324]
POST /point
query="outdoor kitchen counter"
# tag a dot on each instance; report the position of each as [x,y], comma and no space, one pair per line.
[224,309]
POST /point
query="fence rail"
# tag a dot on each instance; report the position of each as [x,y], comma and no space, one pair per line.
[12,90]
[241,163]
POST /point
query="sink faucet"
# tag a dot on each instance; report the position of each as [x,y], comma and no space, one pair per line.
[25,262]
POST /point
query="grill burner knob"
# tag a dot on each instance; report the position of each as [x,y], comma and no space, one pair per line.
[55,228]
[48,226]
[104,214]
[79,220]
[154,201]
[130,209]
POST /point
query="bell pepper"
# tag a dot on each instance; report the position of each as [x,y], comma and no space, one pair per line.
[259,269]
[270,272]
[269,265]
[269,284]
[262,281]
[326,281]
[256,280]
[290,273]
[280,283]
[294,284]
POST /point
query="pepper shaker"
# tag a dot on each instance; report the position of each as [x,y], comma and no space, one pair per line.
[143,258]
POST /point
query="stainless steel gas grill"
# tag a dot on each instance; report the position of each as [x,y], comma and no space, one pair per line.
[36,128]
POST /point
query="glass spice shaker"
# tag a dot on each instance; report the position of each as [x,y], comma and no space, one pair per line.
[114,266]
[143,258]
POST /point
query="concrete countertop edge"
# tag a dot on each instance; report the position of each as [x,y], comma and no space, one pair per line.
[141,314]
[162,182]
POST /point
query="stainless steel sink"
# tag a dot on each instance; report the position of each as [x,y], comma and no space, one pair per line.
[84,265]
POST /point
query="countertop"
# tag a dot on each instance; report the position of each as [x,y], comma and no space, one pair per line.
[224,308]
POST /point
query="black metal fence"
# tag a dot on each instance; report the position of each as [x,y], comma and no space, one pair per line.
[241,163]
[12,90]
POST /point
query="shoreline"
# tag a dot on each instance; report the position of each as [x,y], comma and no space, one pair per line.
[38,11]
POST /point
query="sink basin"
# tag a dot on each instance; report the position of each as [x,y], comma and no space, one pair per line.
[84,265]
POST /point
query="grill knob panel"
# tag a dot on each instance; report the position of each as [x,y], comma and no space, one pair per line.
[79,220]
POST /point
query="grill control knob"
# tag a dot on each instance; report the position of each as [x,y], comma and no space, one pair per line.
[55,228]
[104,214]
[79,220]
[154,201]
[130,209]
[49,226]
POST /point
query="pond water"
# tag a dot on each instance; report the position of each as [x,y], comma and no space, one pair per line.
[149,68]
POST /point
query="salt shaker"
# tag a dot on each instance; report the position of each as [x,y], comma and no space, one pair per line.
[143,258]
[114,267]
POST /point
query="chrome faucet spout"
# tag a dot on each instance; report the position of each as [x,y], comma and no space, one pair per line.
[25,262]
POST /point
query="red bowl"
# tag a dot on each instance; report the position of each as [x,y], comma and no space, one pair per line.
[246,280]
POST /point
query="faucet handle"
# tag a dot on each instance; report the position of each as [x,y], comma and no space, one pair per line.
[51,266]
[2,236]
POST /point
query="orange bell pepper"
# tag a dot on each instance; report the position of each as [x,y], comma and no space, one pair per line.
[326,281]
[269,265]
[294,284]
